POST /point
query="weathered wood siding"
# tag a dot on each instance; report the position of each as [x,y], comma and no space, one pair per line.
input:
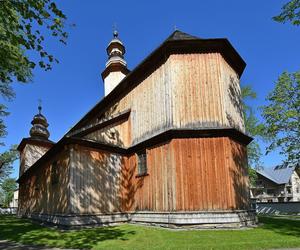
[39,195]
[29,155]
[188,91]
[94,181]
[188,175]
[118,134]
[205,92]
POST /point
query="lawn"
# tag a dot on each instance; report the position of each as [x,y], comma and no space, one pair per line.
[274,233]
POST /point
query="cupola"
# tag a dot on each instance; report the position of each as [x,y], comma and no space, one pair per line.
[39,126]
[116,66]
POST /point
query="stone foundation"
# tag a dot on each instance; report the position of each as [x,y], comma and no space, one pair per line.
[197,219]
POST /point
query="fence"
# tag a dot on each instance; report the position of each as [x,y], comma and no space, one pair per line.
[278,208]
[8,210]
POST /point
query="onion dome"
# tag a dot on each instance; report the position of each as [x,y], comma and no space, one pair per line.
[116,66]
[39,126]
[115,51]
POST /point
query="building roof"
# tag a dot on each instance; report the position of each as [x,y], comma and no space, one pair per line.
[279,174]
[179,35]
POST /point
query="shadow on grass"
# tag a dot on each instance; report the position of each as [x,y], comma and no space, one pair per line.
[281,226]
[24,231]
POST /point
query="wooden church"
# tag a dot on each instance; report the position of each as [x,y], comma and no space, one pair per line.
[166,145]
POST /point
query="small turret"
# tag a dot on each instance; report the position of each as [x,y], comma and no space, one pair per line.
[116,66]
[39,126]
[34,147]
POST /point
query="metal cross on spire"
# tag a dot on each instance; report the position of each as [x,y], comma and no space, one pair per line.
[40,106]
[115,32]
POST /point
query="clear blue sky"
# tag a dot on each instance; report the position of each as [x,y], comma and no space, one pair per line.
[75,84]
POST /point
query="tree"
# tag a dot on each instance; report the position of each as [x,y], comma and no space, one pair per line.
[255,129]
[6,160]
[24,25]
[8,187]
[290,12]
[282,116]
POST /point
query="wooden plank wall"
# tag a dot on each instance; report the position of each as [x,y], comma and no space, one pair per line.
[211,174]
[231,95]
[187,91]
[118,134]
[94,181]
[39,195]
[29,155]
[154,192]
[188,175]
[200,92]
[149,103]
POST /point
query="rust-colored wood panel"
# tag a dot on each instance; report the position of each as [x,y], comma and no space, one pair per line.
[188,175]
[211,174]
[151,192]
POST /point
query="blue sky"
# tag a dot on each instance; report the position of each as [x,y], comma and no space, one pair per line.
[75,84]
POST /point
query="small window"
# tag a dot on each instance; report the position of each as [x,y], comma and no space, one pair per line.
[54,173]
[142,163]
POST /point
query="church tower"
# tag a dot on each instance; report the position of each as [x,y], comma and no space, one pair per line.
[34,147]
[116,66]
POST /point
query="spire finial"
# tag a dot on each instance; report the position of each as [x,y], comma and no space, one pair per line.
[40,106]
[115,31]
[175,28]
[39,125]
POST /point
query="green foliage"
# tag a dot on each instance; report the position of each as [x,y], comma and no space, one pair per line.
[24,24]
[290,12]
[253,127]
[273,233]
[8,186]
[6,162]
[282,116]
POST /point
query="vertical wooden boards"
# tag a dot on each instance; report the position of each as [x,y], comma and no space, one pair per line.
[232,108]
[208,178]
[96,180]
[155,191]
[191,174]
[197,90]
[39,195]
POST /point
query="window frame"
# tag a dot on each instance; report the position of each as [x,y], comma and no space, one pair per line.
[142,170]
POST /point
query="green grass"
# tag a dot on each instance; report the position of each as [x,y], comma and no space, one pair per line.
[274,233]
